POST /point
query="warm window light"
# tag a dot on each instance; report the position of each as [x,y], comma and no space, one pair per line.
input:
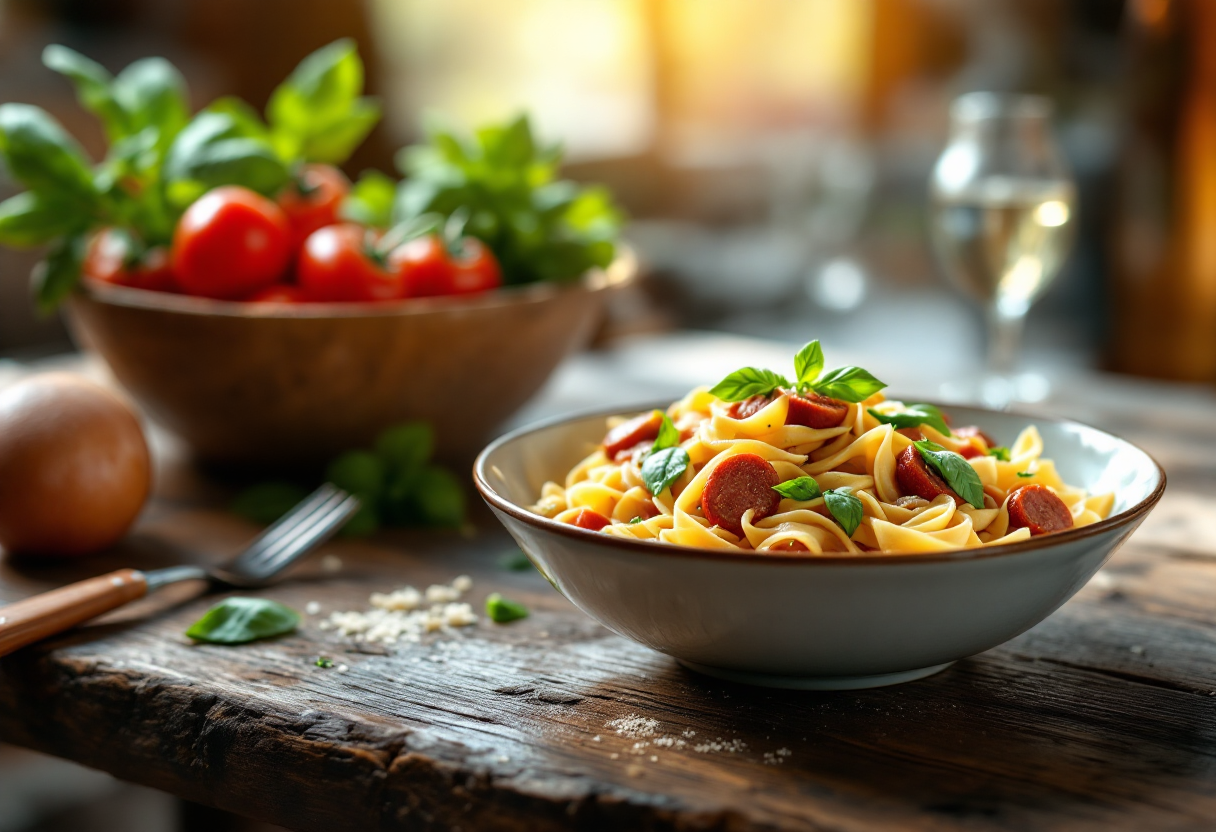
[1052,214]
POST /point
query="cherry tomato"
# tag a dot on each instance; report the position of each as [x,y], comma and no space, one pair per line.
[475,269]
[337,264]
[424,266]
[315,204]
[280,293]
[108,259]
[230,243]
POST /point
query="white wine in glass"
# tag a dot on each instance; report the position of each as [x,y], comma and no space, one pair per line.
[1002,217]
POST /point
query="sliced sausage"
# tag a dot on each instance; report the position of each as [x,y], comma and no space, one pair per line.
[627,434]
[748,407]
[912,433]
[1038,508]
[626,454]
[738,483]
[589,519]
[915,477]
[816,411]
[969,450]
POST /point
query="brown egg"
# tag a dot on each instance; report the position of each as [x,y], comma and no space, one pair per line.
[74,466]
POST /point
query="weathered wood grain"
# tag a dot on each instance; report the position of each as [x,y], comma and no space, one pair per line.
[1102,717]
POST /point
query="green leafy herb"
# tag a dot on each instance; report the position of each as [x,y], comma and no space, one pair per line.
[515,562]
[218,148]
[808,363]
[913,416]
[747,382]
[663,468]
[955,470]
[240,620]
[54,278]
[540,228]
[439,497]
[324,661]
[845,507]
[1000,452]
[633,521]
[40,154]
[669,434]
[800,489]
[502,611]
[363,474]
[849,384]
[267,502]
[1025,474]
[370,200]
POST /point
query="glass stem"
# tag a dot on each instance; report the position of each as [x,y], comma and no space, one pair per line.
[1004,341]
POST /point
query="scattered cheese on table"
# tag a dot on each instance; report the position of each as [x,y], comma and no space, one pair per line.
[399,616]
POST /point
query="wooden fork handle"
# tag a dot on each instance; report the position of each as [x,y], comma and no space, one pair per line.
[33,619]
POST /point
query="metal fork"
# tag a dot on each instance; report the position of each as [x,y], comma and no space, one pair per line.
[317,518]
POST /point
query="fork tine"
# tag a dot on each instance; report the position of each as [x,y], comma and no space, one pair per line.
[285,524]
[319,529]
[336,509]
[260,550]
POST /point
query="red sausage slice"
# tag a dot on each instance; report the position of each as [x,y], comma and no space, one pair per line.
[627,434]
[588,519]
[627,454]
[915,477]
[912,433]
[738,483]
[1038,508]
[816,411]
[810,411]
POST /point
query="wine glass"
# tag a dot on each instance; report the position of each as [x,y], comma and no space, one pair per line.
[1003,207]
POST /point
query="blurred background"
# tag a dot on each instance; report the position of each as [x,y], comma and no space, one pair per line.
[774,156]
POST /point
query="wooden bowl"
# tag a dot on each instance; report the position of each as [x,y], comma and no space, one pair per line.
[291,386]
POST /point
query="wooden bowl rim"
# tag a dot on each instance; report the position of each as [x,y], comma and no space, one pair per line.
[620,272]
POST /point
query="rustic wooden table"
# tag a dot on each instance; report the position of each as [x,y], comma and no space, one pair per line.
[1103,716]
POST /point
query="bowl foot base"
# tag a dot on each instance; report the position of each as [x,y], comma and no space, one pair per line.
[773,680]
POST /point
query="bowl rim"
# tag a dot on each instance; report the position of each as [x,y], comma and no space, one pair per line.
[619,272]
[657,548]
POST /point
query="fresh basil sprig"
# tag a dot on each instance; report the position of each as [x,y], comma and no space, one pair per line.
[800,489]
[669,434]
[913,416]
[1000,452]
[955,470]
[664,467]
[848,384]
[239,620]
[845,507]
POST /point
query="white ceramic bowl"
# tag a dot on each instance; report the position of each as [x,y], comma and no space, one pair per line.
[818,622]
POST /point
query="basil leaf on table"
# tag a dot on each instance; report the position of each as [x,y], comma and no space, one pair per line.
[955,470]
[1000,452]
[56,276]
[849,384]
[41,155]
[747,382]
[240,620]
[845,507]
[502,610]
[800,489]
[663,468]
[669,434]
[808,363]
[914,415]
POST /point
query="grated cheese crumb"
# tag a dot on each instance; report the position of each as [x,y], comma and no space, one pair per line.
[633,726]
[397,616]
[312,608]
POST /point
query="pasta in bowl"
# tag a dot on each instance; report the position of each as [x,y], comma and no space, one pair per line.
[795,600]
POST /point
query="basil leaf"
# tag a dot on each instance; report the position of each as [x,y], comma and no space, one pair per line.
[663,468]
[363,474]
[56,276]
[334,144]
[370,201]
[846,508]
[849,384]
[1000,452]
[801,489]
[808,363]
[267,502]
[633,521]
[1025,474]
[324,662]
[747,382]
[406,446]
[92,83]
[41,155]
[669,434]
[213,150]
[955,470]
[32,219]
[913,416]
[503,611]
[152,93]
[240,620]
[439,497]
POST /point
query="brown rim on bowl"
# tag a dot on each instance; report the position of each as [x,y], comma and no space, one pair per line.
[618,273]
[654,547]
